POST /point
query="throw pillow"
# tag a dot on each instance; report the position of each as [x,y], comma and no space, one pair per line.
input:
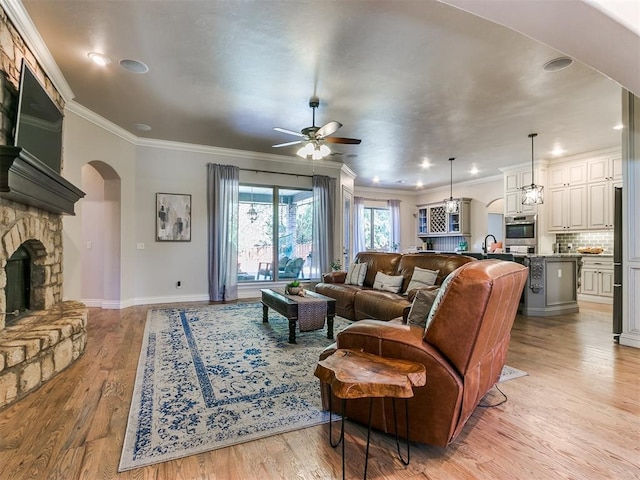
[421,307]
[422,277]
[438,299]
[356,274]
[388,283]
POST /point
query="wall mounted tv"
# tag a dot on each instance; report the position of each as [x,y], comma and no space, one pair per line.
[39,121]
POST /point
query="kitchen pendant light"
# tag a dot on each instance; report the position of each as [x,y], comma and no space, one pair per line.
[451,205]
[532,193]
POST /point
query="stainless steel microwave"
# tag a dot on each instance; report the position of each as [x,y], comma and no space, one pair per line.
[521,230]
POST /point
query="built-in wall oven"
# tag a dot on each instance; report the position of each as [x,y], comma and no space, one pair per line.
[521,230]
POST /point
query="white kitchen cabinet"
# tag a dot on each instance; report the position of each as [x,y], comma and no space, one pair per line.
[605,169]
[596,279]
[568,208]
[565,175]
[513,183]
[600,205]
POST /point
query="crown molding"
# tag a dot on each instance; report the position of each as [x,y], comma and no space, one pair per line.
[27,30]
[100,121]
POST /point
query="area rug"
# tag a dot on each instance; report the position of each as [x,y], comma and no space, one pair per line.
[214,376]
[510,373]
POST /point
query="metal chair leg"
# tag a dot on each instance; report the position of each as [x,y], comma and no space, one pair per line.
[341,437]
[395,420]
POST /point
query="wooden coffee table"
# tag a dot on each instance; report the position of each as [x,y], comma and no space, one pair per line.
[288,307]
[357,374]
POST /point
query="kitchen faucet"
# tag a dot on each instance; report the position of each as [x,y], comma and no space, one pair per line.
[485,248]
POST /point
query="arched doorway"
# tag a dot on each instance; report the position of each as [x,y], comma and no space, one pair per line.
[101,233]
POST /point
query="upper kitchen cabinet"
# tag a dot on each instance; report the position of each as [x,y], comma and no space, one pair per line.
[433,221]
[605,169]
[566,175]
[580,193]
[514,180]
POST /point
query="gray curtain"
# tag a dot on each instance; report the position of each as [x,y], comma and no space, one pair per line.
[222,212]
[394,210]
[324,193]
[358,226]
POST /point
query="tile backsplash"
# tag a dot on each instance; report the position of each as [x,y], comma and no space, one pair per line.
[602,239]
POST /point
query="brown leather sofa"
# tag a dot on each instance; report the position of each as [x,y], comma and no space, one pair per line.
[357,303]
[463,349]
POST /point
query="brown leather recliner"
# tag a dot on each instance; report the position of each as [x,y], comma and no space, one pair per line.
[463,349]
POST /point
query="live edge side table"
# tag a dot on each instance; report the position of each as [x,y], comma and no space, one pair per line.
[355,374]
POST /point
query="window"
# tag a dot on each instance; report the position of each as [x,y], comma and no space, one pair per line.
[274,233]
[377,228]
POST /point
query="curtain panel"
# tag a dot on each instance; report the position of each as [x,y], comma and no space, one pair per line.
[222,213]
[358,225]
[394,210]
[324,193]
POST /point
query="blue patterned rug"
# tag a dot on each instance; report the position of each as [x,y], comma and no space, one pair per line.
[214,376]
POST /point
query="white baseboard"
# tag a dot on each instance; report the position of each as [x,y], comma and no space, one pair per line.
[595,299]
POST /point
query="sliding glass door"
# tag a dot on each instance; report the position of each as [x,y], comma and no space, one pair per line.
[274,234]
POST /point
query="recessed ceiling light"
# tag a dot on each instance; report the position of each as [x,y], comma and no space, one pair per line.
[618,127]
[557,64]
[376,179]
[143,127]
[425,163]
[419,184]
[474,170]
[134,66]
[99,59]
[557,151]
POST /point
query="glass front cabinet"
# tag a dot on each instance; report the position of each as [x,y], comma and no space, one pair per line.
[434,221]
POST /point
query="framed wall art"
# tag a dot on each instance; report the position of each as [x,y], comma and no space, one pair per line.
[173,217]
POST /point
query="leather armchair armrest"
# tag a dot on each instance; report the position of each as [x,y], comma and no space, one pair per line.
[334,277]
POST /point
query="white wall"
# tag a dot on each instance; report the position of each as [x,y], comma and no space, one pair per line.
[377,197]
[149,275]
[85,141]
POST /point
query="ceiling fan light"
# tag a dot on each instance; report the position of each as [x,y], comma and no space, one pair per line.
[316,155]
[324,150]
[309,148]
[302,152]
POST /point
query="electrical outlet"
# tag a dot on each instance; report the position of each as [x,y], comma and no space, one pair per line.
[178,284]
[140,246]
[559,273]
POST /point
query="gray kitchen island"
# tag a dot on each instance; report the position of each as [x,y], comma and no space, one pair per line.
[552,284]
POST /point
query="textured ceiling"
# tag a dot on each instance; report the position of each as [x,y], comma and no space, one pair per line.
[412,79]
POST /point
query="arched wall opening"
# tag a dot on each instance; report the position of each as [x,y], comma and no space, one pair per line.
[101,233]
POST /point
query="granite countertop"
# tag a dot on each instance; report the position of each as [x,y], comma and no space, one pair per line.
[560,255]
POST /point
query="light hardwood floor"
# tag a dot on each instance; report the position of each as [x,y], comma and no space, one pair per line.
[576,416]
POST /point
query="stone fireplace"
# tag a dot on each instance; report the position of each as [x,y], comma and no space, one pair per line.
[47,334]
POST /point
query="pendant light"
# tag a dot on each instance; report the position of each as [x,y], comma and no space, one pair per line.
[451,205]
[532,193]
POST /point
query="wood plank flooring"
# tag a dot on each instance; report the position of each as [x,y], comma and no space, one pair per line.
[576,416]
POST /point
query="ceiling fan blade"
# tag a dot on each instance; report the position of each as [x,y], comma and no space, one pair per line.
[290,132]
[287,144]
[351,141]
[328,129]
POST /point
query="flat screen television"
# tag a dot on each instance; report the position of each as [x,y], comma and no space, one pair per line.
[39,121]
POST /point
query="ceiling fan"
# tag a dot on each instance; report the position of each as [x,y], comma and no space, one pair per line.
[314,138]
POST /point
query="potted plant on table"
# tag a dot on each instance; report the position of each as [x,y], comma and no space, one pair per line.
[293,288]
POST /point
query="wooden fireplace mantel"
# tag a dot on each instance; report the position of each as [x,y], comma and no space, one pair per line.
[25,179]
